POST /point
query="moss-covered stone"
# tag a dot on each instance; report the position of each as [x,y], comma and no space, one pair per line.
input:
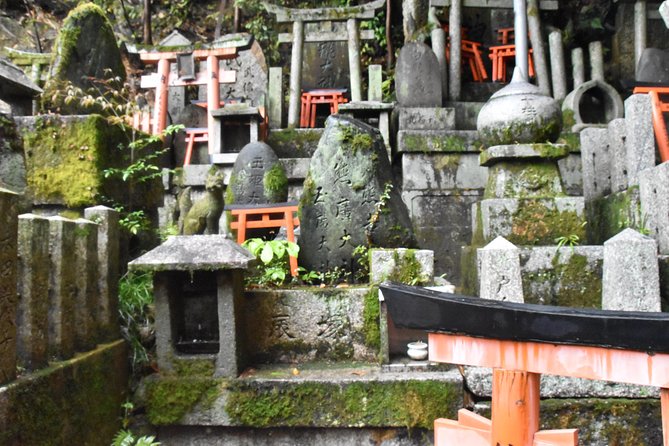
[292,143]
[172,397]
[509,179]
[371,318]
[415,142]
[370,403]
[66,160]
[275,182]
[71,402]
[609,215]
[534,223]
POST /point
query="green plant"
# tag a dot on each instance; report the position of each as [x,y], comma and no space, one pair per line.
[136,314]
[570,240]
[125,437]
[274,255]
[361,257]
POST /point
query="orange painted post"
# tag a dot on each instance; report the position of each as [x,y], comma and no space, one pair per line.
[561,437]
[160,110]
[290,235]
[213,97]
[659,126]
[664,401]
[515,407]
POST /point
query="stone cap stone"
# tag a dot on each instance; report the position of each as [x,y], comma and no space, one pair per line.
[366,105]
[194,252]
[15,76]
[526,152]
[365,11]
[234,110]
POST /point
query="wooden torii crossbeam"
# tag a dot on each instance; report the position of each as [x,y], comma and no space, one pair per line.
[162,80]
[521,342]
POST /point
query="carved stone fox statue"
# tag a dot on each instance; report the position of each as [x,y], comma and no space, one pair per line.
[202,216]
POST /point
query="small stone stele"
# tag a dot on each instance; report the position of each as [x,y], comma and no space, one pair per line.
[418,76]
[349,198]
[499,271]
[257,177]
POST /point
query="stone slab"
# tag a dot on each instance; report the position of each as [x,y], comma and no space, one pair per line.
[438,141]
[442,171]
[640,139]
[385,264]
[654,197]
[8,280]
[618,150]
[426,118]
[523,152]
[596,158]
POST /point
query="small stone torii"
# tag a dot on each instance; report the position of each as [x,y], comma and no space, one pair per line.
[351,15]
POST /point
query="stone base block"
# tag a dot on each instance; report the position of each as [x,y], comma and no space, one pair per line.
[609,215]
[442,171]
[528,221]
[294,143]
[427,141]
[425,118]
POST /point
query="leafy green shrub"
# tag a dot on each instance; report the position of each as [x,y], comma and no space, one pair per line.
[136,314]
[273,268]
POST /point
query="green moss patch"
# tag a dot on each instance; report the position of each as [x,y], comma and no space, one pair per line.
[171,397]
[371,318]
[400,404]
[413,142]
[611,214]
[537,180]
[292,143]
[536,224]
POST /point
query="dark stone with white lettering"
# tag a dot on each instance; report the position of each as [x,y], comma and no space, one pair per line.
[349,198]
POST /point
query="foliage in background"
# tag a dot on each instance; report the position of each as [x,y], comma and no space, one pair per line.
[273,268]
[136,312]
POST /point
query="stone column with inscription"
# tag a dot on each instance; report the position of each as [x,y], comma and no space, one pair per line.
[8,256]
[62,287]
[33,288]
[108,270]
[86,246]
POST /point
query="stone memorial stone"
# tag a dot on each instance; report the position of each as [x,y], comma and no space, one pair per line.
[325,65]
[86,265]
[596,163]
[349,198]
[654,198]
[275,97]
[257,177]
[664,12]
[414,18]
[617,150]
[8,302]
[252,76]
[499,271]
[108,270]
[62,287]
[375,90]
[653,66]
[12,161]
[401,265]
[630,258]
[418,76]
[640,139]
[32,316]
[85,48]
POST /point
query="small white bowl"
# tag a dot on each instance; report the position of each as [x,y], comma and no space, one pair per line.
[417,350]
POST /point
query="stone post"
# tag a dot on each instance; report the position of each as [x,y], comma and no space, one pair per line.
[231,354]
[354,59]
[108,272]
[176,96]
[538,47]
[455,36]
[578,67]
[8,304]
[520,33]
[86,246]
[631,279]
[33,288]
[654,198]
[640,139]
[62,287]
[296,74]
[640,33]
[596,163]
[596,61]
[163,321]
[438,38]
[499,271]
[617,130]
[375,89]
[558,71]
[275,97]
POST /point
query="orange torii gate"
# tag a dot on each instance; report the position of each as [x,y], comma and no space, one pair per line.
[522,341]
[162,80]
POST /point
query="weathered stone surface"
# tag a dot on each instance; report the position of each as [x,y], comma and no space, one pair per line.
[418,77]
[62,287]
[653,66]
[438,141]
[618,151]
[32,315]
[401,265]
[12,161]
[325,65]
[202,215]
[306,325]
[86,48]
[499,271]
[414,19]
[640,139]
[108,273]
[86,265]
[437,171]
[593,102]
[375,87]
[571,173]
[654,197]
[609,215]
[631,259]
[8,303]
[275,97]
[257,177]
[252,76]
[426,118]
[595,153]
[349,198]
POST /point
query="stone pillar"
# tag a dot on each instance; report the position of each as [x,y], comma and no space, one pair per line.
[275,97]
[520,33]
[33,288]
[108,270]
[163,321]
[558,71]
[455,36]
[499,271]
[438,38]
[62,287]
[296,74]
[640,139]
[596,61]
[631,279]
[596,163]
[654,198]
[86,264]
[176,95]
[578,67]
[640,26]
[8,303]
[354,59]
[231,356]
[538,47]
[617,131]
[375,89]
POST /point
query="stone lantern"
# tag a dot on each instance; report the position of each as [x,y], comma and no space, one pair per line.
[198,288]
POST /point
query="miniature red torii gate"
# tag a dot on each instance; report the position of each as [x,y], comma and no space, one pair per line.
[162,80]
